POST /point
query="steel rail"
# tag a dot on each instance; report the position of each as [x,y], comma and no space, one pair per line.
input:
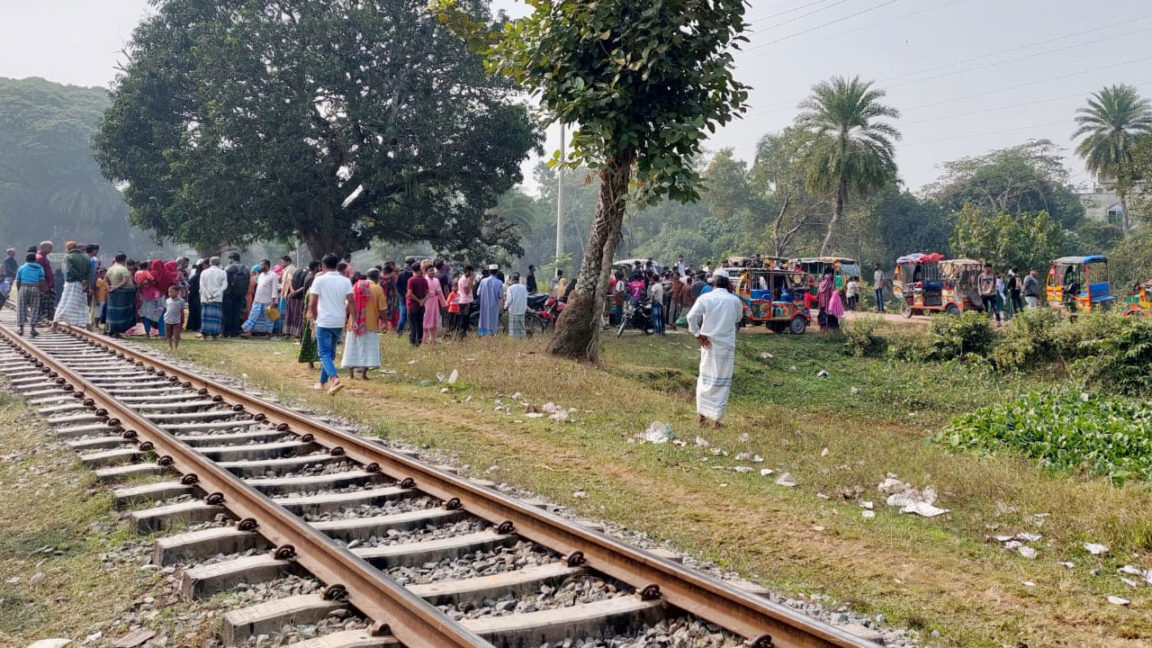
[763,622]
[391,607]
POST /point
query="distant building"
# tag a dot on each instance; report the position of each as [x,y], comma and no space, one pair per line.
[1101,202]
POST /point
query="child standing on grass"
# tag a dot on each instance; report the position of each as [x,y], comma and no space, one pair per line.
[173,317]
[454,308]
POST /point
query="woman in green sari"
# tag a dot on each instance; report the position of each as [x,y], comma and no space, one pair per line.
[308,351]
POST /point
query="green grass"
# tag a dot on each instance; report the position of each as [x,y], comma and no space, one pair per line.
[56,523]
[935,574]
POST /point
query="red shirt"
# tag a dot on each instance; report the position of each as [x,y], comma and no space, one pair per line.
[49,277]
[417,289]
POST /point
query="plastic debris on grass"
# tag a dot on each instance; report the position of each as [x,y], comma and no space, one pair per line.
[657,432]
[1095,549]
[909,500]
[786,480]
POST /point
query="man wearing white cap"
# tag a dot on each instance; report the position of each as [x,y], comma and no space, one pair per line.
[491,296]
[713,320]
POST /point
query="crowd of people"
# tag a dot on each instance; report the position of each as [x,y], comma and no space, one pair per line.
[325,302]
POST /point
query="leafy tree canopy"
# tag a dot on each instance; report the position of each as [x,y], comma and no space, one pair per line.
[335,121]
[1028,240]
[50,185]
[1028,177]
[642,80]
[851,151]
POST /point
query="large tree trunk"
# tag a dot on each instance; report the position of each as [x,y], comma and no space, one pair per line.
[323,242]
[837,212]
[578,328]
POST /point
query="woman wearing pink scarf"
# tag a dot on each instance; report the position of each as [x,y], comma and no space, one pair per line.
[823,298]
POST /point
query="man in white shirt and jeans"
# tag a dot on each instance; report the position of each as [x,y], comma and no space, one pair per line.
[329,310]
[713,320]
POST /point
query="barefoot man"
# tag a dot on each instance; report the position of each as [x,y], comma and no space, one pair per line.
[713,321]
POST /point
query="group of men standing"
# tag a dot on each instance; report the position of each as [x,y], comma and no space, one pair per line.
[36,285]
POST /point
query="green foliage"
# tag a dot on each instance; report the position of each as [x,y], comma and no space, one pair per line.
[850,151]
[894,222]
[1026,178]
[1112,123]
[1029,340]
[1026,240]
[1066,430]
[954,337]
[793,216]
[242,121]
[1130,262]
[1093,236]
[1114,353]
[861,339]
[643,79]
[50,186]
[968,337]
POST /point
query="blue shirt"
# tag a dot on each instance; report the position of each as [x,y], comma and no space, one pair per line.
[30,274]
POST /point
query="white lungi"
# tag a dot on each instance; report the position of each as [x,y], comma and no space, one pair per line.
[361,351]
[73,306]
[715,380]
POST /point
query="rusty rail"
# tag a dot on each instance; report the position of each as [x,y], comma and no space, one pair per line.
[392,608]
[764,623]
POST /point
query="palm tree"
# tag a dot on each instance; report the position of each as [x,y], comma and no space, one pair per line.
[1116,117]
[850,149]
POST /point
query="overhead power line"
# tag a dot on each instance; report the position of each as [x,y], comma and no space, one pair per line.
[787,105]
[823,25]
[995,132]
[1015,60]
[1126,21]
[881,22]
[800,17]
[1029,84]
[788,11]
[1005,107]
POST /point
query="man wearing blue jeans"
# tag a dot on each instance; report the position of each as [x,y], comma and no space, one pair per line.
[330,309]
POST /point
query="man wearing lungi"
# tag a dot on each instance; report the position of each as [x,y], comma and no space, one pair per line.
[121,309]
[48,297]
[713,320]
[213,281]
[78,280]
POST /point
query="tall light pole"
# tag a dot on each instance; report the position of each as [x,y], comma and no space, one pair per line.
[560,201]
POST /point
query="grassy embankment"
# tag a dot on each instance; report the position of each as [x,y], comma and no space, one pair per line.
[65,568]
[873,416]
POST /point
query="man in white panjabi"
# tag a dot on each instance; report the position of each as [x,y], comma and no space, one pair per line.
[713,320]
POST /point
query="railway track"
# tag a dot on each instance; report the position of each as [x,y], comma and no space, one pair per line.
[246,491]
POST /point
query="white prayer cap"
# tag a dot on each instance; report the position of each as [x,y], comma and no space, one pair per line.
[720,272]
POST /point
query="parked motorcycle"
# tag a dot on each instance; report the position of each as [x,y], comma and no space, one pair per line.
[637,316]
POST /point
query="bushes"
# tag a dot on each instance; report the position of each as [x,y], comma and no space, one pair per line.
[1066,430]
[861,338]
[948,338]
[954,337]
[1116,355]
[1102,351]
[1028,341]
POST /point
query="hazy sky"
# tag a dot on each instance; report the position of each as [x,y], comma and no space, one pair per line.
[968,75]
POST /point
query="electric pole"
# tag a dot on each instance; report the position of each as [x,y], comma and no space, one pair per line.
[560,201]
